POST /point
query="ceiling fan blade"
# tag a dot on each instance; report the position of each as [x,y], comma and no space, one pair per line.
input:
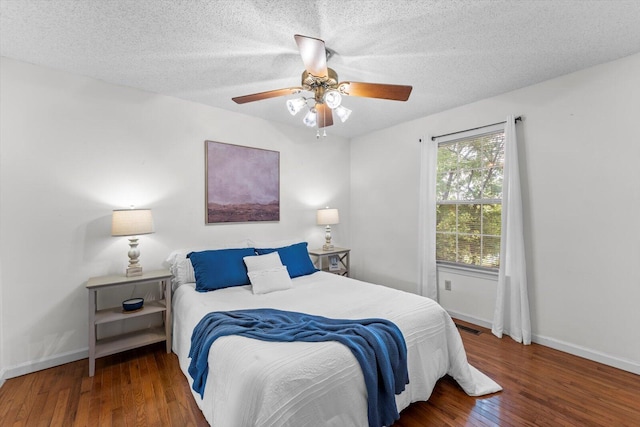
[376,90]
[314,55]
[324,115]
[265,95]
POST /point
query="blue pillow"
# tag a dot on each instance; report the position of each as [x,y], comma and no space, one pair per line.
[295,257]
[217,269]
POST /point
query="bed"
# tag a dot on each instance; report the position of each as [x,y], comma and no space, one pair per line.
[259,383]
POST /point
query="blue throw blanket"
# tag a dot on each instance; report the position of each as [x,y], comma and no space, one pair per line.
[377,344]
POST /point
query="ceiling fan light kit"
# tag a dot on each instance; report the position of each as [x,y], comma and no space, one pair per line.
[296,104]
[310,118]
[332,98]
[327,90]
[343,113]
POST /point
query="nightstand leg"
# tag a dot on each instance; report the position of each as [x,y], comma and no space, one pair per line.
[92,332]
[168,324]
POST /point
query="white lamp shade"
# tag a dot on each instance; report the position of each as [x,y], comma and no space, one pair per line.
[343,113]
[295,105]
[327,216]
[332,98]
[310,118]
[131,222]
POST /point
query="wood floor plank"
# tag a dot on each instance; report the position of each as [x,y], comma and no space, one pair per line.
[148,393]
[62,402]
[158,390]
[12,403]
[117,412]
[145,387]
[138,396]
[82,414]
[95,398]
[106,404]
[125,409]
[35,412]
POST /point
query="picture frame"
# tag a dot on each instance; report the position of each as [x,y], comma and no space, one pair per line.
[334,263]
[242,184]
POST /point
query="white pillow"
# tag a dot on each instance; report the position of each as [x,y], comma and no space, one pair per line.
[270,280]
[262,262]
[183,273]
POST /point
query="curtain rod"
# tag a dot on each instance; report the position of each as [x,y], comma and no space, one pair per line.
[433,138]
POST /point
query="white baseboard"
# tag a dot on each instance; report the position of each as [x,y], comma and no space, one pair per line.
[476,321]
[576,350]
[45,363]
[2,377]
[586,353]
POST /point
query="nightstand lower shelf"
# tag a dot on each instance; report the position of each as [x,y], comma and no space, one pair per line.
[128,341]
[116,313]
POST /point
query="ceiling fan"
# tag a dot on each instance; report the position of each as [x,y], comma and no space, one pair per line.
[323,82]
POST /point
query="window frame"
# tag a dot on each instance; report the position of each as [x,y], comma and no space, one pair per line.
[470,269]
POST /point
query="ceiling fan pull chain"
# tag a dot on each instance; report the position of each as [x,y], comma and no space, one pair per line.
[318,134]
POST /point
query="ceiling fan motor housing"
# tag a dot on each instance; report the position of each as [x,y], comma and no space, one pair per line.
[319,85]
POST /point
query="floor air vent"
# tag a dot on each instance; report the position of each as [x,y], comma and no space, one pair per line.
[468,329]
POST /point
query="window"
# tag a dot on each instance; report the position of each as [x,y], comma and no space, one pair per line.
[469,200]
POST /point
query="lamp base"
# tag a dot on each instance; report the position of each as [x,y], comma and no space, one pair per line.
[134,268]
[327,239]
[134,271]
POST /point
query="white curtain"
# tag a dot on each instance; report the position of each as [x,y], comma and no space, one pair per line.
[511,315]
[427,226]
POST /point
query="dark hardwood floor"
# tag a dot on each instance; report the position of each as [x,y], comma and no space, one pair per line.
[145,387]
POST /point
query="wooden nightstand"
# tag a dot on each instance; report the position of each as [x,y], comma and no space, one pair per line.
[322,261]
[116,344]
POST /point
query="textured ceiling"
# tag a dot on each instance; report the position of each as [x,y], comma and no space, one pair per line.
[451,52]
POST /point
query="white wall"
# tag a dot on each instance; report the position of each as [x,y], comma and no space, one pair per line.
[2,368]
[384,208]
[580,167]
[73,149]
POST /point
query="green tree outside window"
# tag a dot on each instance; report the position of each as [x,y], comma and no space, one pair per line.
[469,200]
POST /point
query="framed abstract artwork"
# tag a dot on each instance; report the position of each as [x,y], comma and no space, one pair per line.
[242,184]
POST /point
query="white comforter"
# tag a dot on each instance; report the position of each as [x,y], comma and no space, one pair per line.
[257,383]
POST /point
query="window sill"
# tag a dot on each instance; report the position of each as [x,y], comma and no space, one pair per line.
[468,271]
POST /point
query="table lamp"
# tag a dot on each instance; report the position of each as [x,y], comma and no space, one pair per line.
[132,223]
[327,217]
